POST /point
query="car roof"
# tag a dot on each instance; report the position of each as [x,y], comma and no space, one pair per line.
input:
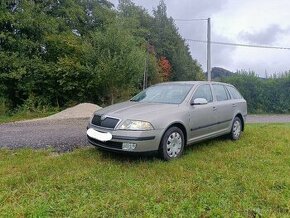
[192,82]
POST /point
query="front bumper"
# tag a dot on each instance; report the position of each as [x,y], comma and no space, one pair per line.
[146,141]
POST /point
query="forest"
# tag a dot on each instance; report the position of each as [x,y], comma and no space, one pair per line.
[57,53]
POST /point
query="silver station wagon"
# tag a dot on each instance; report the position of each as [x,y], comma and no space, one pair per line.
[168,116]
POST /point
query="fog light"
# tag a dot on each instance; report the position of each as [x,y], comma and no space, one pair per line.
[128,146]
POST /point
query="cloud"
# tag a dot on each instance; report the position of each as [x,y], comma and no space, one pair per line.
[266,36]
[187,9]
[222,55]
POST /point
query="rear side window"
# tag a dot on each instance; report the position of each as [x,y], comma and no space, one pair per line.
[234,92]
[203,91]
[220,92]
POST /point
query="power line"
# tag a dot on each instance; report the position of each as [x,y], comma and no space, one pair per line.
[239,44]
[208,50]
[229,43]
[188,20]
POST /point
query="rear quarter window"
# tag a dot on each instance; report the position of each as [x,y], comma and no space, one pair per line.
[234,92]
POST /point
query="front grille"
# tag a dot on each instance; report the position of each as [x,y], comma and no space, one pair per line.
[108,122]
[108,144]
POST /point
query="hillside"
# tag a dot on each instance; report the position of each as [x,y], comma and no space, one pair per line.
[217,73]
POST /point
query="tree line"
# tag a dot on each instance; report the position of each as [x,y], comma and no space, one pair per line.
[59,52]
[263,95]
[56,53]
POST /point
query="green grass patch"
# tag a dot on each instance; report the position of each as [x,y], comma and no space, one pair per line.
[24,115]
[216,178]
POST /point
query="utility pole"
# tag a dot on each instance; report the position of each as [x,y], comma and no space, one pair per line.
[208,50]
[145,77]
[208,59]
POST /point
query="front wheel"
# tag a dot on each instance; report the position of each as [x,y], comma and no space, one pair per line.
[236,129]
[172,143]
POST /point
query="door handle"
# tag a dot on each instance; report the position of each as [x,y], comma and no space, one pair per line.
[234,105]
[214,108]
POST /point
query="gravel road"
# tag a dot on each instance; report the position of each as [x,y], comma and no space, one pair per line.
[63,131]
[62,135]
[67,134]
[268,119]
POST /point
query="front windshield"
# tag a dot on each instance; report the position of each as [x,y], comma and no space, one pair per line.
[167,93]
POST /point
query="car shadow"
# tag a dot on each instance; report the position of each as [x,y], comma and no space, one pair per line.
[151,157]
[126,157]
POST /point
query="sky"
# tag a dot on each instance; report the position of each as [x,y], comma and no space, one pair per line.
[255,22]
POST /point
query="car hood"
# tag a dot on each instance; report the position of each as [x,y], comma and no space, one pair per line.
[136,110]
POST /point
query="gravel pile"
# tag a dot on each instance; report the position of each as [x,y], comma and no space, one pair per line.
[83,110]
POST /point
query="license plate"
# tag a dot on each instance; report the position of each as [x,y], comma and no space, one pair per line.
[99,135]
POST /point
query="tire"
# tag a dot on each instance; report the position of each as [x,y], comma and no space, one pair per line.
[172,144]
[236,130]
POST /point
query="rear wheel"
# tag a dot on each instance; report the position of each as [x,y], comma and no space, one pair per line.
[236,129]
[172,144]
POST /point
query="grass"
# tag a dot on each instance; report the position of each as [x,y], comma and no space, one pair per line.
[24,115]
[217,178]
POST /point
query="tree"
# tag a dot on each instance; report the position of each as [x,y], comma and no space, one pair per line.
[171,45]
[119,61]
[165,68]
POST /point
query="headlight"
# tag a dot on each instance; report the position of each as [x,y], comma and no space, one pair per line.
[136,125]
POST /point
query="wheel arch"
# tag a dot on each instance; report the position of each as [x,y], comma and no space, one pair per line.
[180,126]
[239,115]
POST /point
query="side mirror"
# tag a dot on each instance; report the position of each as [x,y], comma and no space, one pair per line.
[199,101]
